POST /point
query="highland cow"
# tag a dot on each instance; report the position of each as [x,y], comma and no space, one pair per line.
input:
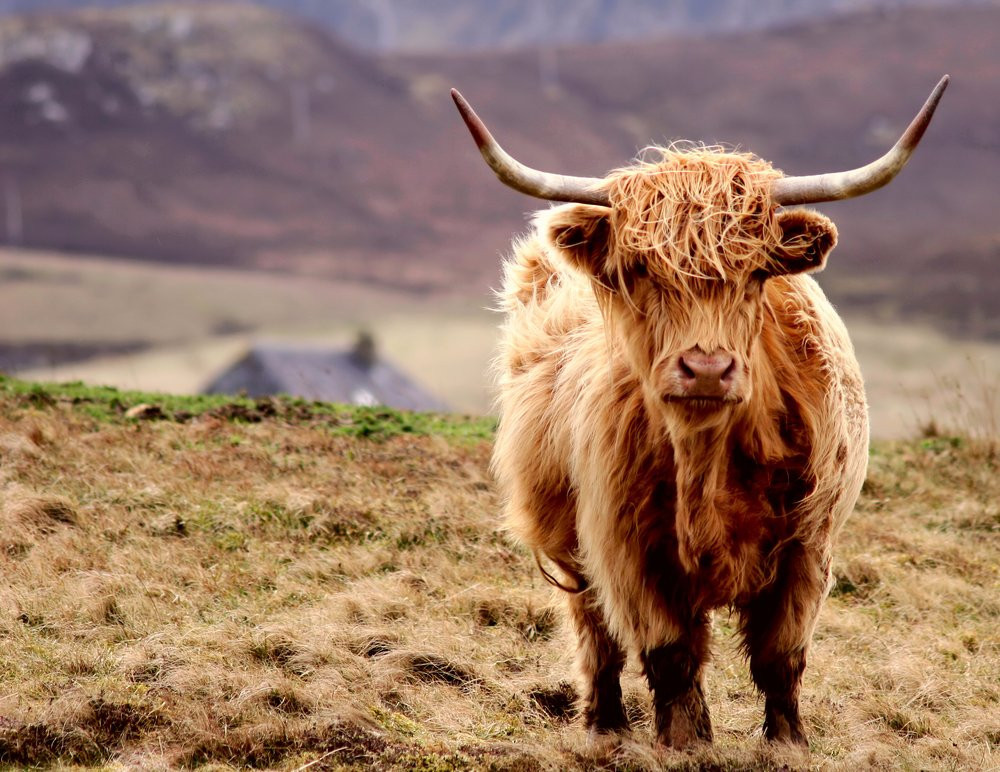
[683,424]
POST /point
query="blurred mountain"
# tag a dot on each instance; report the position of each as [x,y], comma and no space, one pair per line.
[231,134]
[443,25]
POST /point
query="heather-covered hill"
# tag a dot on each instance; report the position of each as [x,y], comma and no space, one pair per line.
[286,585]
[444,25]
[193,134]
[231,134]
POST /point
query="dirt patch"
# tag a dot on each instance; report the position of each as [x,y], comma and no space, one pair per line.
[534,624]
[432,668]
[101,730]
[557,701]
[265,746]
[42,513]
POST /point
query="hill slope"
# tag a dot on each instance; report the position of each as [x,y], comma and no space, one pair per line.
[234,135]
[443,25]
[252,585]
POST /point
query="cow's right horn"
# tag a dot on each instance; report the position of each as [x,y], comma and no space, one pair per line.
[510,171]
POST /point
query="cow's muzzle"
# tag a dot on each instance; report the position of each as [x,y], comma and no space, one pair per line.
[699,377]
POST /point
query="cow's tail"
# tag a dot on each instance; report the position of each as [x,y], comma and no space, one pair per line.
[579,582]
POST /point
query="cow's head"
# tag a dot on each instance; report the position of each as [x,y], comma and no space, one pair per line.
[679,251]
[679,261]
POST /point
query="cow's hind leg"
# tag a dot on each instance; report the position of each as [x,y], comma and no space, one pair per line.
[599,663]
[777,626]
[675,672]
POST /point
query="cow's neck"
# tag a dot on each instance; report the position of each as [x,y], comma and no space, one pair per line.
[705,448]
[701,462]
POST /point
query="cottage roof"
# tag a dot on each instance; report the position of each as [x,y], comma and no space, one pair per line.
[357,376]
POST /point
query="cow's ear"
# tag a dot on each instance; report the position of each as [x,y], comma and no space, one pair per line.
[581,232]
[806,239]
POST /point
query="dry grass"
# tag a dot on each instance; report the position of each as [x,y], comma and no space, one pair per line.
[273,595]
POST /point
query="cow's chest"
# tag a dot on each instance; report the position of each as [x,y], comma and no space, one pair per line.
[744,521]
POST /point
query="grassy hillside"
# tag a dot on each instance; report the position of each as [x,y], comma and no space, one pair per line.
[291,586]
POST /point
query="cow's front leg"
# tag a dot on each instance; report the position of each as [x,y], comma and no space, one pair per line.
[599,663]
[777,626]
[779,677]
[675,672]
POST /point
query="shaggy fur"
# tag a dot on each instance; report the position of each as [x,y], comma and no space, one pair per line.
[652,512]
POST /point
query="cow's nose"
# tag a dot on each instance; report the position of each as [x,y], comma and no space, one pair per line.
[706,375]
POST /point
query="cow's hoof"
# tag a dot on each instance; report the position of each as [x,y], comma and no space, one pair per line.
[605,740]
[796,740]
[684,732]
[788,731]
[685,722]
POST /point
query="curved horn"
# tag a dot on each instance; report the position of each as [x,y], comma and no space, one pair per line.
[510,171]
[815,188]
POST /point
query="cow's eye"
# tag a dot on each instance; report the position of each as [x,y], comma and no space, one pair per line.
[640,269]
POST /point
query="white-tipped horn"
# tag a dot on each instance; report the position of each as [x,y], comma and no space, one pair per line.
[510,171]
[835,186]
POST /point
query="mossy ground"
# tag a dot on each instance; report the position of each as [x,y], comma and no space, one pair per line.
[110,405]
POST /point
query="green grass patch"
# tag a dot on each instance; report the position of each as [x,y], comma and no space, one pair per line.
[109,405]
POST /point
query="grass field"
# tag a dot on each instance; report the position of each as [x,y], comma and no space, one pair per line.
[188,315]
[294,586]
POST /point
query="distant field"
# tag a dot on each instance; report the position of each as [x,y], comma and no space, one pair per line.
[196,321]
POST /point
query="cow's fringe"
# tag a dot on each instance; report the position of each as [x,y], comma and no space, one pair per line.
[697,213]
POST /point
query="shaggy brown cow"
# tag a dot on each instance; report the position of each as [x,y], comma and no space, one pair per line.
[683,422]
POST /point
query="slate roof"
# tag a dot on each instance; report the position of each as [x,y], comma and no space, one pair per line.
[356,376]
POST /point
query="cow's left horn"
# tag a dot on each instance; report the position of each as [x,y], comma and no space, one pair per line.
[813,189]
[551,187]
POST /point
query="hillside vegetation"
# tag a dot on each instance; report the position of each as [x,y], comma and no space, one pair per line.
[289,585]
[444,25]
[230,134]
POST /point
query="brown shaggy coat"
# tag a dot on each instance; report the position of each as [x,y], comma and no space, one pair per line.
[652,511]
